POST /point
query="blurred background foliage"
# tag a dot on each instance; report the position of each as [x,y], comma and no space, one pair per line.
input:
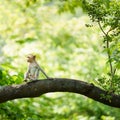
[64,46]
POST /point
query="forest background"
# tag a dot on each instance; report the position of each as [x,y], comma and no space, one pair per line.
[67,44]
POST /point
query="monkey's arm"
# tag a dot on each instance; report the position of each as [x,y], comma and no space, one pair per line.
[43,72]
[26,75]
[36,73]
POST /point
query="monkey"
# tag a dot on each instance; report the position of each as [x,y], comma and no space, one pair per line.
[33,69]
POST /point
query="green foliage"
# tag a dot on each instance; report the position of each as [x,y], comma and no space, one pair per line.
[69,5]
[54,106]
[106,14]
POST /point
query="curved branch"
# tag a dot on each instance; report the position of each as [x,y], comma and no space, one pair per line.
[102,29]
[108,49]
[39,87]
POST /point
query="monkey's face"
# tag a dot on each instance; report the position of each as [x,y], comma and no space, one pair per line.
[31,58]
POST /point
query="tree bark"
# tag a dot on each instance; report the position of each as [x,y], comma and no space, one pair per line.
[39,87]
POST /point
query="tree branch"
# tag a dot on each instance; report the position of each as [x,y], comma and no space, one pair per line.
[108,49]
[39,87]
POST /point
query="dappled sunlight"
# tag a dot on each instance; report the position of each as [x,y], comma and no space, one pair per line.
[64,48]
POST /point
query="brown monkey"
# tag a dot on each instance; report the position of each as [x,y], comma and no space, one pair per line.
[33,69]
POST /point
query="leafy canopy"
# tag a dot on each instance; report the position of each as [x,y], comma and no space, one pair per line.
[107,14]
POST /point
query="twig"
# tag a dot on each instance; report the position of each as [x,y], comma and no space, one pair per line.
[108,51]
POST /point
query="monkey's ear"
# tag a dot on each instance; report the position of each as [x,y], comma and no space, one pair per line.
[34,56]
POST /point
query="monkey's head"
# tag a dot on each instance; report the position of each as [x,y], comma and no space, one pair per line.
[31,58]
